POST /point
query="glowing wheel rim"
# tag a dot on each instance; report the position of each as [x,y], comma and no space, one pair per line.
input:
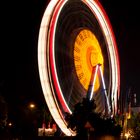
[47,56]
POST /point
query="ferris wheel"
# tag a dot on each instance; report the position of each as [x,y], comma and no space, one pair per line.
[77,55]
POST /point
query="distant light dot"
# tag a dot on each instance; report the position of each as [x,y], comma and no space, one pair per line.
[10,124]
[32,106]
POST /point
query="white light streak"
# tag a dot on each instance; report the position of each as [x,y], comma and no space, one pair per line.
[111,48]
[94,79]
[44,70]
[104,87]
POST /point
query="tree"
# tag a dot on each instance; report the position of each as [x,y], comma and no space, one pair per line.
[84,112]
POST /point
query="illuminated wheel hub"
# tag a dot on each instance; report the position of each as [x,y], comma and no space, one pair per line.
[87,54]
[75,36]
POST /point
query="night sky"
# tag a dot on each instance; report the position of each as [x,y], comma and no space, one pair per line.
[19,77]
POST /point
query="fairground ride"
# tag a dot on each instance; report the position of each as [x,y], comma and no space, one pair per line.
[77,49]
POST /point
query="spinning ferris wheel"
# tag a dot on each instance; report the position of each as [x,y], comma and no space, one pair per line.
[77,55]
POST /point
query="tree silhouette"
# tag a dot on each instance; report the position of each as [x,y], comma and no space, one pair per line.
[98,125]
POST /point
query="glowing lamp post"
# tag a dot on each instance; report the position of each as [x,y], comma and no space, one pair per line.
[32,106]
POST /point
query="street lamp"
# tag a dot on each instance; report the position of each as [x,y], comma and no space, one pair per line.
[9,124]
[31,105]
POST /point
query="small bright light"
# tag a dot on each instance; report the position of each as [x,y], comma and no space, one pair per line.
[32,106]
[10,124]
[127,135]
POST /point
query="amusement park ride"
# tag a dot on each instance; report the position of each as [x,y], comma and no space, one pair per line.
[77,58]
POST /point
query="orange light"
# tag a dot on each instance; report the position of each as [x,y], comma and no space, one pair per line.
[32,105]
[87,54]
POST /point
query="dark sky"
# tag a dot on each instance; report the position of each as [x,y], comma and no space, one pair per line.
[125,20]
[19,78]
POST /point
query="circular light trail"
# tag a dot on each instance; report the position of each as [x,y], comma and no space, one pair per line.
[57,56]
